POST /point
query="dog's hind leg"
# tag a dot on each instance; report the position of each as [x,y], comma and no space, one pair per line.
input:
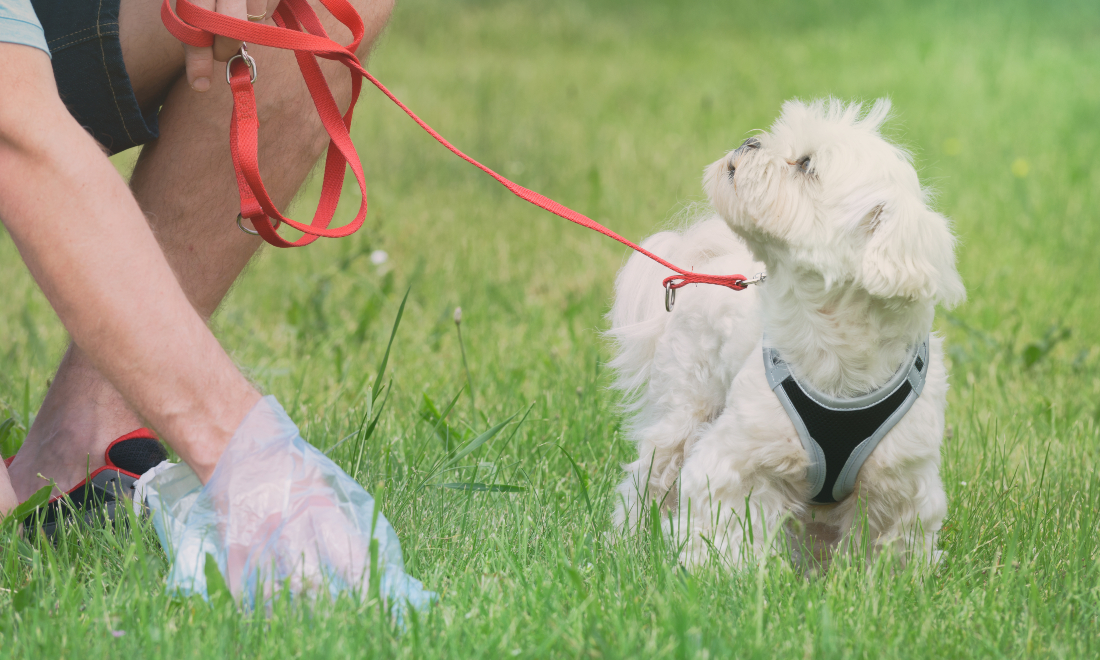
[651,480]
[737,491]
[688,381]
[675,369]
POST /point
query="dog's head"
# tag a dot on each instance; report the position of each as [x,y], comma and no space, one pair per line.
[824,191]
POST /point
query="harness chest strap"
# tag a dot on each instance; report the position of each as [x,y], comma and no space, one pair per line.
[299,29]
[840,434]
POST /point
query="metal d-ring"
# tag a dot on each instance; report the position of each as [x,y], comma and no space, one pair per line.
[243,55]
[253,232]
[670,297]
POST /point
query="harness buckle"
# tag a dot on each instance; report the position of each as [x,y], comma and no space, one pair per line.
[670,297]
[251,63]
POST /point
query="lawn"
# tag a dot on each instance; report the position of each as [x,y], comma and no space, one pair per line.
[615,107]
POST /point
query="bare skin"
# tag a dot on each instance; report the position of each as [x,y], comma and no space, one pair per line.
[169,367]
[184,184]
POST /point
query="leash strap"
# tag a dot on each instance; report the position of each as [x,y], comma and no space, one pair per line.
[299,29]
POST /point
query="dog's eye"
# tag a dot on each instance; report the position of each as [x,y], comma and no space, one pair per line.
[732,169]
[803,164]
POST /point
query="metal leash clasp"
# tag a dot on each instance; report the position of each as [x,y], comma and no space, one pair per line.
[243,55]
[670,289]
[755,279]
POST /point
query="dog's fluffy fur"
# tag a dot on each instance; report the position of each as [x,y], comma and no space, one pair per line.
[856,263]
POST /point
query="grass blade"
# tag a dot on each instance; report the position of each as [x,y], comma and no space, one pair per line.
[40,498]
[378,415]
[386,358]
[439,419]
[478,441]
[487,488]
[584,484]
[217,590]
[472,446]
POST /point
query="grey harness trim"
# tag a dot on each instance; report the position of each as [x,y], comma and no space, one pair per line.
[845,431]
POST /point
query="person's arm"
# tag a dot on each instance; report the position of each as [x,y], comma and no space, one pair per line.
[88,246]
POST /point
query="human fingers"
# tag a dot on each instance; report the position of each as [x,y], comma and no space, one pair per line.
[224,47]
[257,10]
[199,60]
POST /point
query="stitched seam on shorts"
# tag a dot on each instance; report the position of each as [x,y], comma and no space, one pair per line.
[94,30]
[56,47]
[114,97]
[90,28]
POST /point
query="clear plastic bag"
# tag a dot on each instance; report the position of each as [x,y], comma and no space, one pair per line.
[277,513]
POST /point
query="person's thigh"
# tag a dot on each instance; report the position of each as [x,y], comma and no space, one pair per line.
[153,57]
[185,180]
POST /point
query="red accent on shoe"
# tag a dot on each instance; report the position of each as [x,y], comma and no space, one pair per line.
[140,433]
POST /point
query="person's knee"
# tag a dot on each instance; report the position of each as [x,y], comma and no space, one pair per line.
[376,14]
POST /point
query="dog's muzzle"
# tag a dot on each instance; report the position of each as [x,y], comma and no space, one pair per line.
[750,144]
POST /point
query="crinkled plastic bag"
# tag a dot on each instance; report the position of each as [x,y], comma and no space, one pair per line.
[277,513]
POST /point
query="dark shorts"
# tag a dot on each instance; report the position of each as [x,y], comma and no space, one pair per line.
[91,78]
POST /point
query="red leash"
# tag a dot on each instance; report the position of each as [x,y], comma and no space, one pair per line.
[299,29]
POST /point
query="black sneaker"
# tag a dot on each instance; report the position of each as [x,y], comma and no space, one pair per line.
[96,498]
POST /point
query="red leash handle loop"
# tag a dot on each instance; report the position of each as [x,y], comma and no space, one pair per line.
[299,29]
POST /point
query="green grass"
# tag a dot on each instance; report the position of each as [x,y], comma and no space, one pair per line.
[615,108]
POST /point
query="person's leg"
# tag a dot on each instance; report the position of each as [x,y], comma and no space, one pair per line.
[8,501]
[184,182]
[169,366]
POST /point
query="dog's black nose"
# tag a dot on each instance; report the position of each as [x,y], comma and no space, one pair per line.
[751,143]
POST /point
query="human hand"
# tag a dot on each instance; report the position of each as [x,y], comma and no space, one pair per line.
[200,61]
[277,513]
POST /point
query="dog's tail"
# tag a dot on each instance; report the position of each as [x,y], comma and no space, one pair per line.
[638,315]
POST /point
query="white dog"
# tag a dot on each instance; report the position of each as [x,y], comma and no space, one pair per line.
[856,263]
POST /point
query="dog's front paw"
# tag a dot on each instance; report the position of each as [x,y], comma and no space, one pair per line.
[700,549]
[939,557]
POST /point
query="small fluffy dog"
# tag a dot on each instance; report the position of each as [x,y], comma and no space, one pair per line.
[856,263]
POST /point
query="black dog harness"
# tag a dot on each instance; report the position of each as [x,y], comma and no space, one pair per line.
[839,434]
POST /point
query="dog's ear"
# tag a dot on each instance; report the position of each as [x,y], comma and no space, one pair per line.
[910,253]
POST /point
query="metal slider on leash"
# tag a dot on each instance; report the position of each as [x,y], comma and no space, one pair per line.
[243,55]
[670,290]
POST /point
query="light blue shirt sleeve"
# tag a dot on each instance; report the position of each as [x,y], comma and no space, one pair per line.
[19,24]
